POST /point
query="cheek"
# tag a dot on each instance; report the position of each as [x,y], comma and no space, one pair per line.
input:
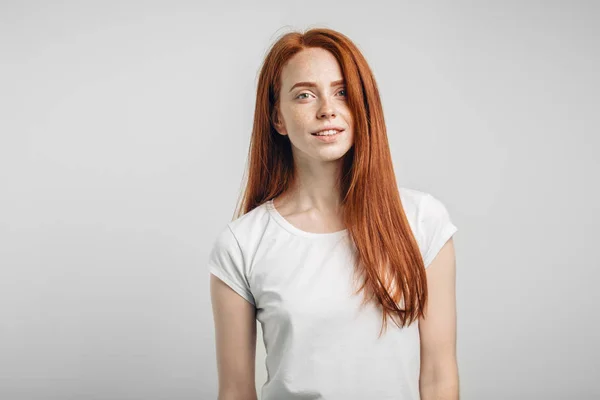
[300,118]
[299,114]
[347,115]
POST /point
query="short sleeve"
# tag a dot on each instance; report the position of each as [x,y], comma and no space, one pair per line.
[226,262]
[436,225]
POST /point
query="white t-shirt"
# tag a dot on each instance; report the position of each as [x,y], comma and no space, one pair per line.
[319,343]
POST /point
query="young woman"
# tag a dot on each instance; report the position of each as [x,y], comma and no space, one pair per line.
[328,250]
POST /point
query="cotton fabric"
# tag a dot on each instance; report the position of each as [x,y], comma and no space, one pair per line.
[320,343]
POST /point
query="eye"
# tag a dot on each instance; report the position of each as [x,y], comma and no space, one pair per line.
[298,97]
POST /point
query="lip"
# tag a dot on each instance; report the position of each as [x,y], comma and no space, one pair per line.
[327,128]
[330,138]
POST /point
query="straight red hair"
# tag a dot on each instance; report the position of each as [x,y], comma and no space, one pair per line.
[388,261]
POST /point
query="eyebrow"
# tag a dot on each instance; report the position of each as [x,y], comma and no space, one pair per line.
[312,84]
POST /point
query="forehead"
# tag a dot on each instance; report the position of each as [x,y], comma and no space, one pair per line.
[313,65]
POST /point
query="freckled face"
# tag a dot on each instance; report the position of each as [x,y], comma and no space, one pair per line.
[306,109]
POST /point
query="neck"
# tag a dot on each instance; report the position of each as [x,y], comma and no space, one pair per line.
[316,185]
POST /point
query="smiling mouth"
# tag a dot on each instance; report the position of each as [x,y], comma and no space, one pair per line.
[329,134]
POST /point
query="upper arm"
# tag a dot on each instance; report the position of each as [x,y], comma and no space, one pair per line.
[235,337]
[437,328]
[234,314]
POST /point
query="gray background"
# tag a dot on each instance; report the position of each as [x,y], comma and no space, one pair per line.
[124,135]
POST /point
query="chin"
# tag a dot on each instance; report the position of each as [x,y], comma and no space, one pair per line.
[332,155]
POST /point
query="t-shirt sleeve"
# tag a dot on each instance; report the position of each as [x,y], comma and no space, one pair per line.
[226,262]
[437,227]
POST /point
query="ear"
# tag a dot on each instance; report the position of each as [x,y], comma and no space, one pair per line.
[278,122]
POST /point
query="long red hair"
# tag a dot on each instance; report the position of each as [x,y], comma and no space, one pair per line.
[388,261]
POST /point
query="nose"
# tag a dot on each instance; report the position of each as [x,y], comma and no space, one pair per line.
[327,114]
[326,111]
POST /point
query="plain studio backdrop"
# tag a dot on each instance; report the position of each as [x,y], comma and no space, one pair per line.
[124,136]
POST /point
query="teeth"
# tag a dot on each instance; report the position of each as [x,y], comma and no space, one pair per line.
[326,133]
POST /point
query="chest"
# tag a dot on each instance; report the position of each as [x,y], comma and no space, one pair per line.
[304,282]
[316,224]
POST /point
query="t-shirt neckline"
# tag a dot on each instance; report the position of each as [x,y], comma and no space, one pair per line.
[297,231]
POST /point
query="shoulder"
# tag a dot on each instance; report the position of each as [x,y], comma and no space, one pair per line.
[429,219]
[233,248]
[411,199]
[422,206]
[250,224]
[418,205]
[240,235]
